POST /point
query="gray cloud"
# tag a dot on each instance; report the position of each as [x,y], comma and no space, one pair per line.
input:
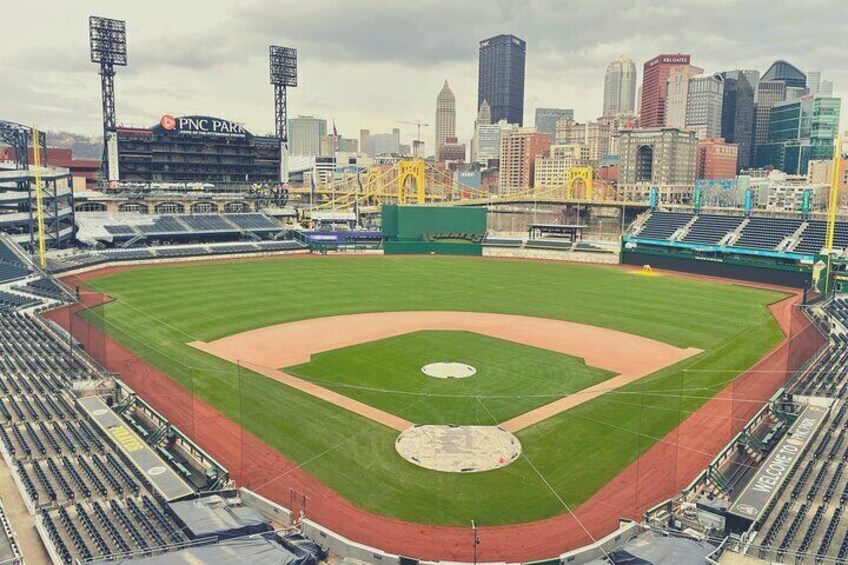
[370,63]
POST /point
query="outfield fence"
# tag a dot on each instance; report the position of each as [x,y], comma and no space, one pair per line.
[673,432]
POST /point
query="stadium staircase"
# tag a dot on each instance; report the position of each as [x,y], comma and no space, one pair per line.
[683,231]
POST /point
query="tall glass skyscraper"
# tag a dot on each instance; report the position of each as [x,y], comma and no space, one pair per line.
[800,130]
[738,113]
[780,83]
[500,79]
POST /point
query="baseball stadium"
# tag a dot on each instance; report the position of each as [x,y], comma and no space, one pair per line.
[231,364]
[396,399]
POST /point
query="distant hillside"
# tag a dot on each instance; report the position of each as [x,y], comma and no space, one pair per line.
[84,147]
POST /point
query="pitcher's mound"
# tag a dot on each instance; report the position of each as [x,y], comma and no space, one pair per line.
[448,370]
[458,449]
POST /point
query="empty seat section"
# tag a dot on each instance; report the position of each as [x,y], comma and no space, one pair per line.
[767,233]
[661,225]
[710,229]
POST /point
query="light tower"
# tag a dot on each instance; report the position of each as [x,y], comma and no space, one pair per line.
[108,39]
[283,74]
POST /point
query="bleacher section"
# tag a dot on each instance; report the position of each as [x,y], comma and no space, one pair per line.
[760,233]
[97,229]
[69,262]
[710,229]
[81,465]
[11,267]
[89,500]
[662,225]
[767,233]
[812,238]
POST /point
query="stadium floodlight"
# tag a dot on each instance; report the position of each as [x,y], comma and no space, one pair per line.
[108,39]
[283,66]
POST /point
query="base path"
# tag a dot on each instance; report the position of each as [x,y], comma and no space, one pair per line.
[265,350]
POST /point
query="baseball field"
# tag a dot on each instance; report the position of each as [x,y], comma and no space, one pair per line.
[331,411]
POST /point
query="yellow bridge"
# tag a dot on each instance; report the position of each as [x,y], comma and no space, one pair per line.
[419,182]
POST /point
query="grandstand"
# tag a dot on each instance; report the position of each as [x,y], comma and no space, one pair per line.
[778,250]
[123,229]
[96,466]
[794,236]
[781,486]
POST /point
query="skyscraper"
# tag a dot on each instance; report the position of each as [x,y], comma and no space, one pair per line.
[677,94]
[500,79]
[547,118]
[781,82]
[737,113]
[305,133]
[620,88]
[484,118]
[654,87]
[800,130]
[703,107]
[818,87]
[445,117]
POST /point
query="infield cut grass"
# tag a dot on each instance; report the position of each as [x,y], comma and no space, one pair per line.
[159,309]
[511,378]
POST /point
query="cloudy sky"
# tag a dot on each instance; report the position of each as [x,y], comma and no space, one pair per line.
[370,64]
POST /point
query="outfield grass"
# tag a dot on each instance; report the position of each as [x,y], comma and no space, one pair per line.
[511,378]
[159,309]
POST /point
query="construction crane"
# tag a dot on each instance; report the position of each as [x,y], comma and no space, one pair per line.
[419,124]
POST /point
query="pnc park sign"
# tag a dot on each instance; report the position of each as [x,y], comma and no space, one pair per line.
[200,125]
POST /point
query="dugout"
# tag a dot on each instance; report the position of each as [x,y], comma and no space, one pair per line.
[442,230]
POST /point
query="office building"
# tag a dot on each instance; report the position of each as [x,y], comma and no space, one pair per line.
[488,141]
[655,76]
[661,158]
[452,151]
[484,118]
[818,87]
[738,111]
[384,143]
[520,148]
[363,140]
[500,79]
[677,94]
[799,131]
[445,117]
[330,145]
[703,106]
[620,88]
[600,137]
[305,134]
[715,159]
[547,118]
[781,82]
[553,170]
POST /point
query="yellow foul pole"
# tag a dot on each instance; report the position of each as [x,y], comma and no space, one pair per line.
[39,208]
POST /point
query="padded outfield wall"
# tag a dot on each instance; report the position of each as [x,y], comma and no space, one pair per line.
[746,269]
[409,229]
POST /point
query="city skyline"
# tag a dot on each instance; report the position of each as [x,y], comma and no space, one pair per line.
[219,68]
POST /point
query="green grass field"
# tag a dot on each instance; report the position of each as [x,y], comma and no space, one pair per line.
[511,378]
[159,310]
